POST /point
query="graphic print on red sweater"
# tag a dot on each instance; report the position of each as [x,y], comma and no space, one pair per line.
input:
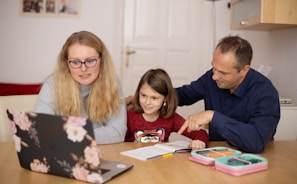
[154,135]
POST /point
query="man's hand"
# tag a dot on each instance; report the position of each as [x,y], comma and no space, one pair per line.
[129,100]
[195,121]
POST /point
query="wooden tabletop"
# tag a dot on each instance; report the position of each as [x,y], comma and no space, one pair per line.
[281,155]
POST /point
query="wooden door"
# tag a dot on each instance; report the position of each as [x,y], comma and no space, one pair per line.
[171,34]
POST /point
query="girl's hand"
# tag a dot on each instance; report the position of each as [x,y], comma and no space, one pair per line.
[197,144]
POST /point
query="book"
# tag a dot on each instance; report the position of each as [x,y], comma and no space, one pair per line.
[178,137]
[229,160]
[158,150]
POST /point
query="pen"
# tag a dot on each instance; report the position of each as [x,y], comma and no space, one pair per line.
[167,155]
[164,156]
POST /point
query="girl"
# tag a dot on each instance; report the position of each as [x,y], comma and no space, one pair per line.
[152,117]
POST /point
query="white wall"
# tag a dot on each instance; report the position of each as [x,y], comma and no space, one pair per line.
[283,56]
[277,49]
[29,45]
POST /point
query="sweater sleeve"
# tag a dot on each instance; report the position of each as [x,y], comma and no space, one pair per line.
[131,117]
[45,97]
[114,129]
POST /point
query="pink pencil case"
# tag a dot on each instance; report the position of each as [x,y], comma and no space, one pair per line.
[240,165]
[229,161]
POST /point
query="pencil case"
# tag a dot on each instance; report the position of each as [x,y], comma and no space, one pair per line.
[240,165]
[207,156]
[229,161]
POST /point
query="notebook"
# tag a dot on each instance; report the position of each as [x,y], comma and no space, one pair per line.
[158,150]
[61,146]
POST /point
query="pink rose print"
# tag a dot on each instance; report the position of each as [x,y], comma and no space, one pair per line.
[13,127]
[78,121]
[17,142]
[92,155]
[74,128]
[95,178]
[80,173]
[87,165]
[75,133]
[21,119]
[38,166]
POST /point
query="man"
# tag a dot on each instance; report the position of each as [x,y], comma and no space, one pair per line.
[241,105]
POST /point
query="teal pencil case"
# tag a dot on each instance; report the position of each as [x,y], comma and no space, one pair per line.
[207,156]
[240,165]
[229,161]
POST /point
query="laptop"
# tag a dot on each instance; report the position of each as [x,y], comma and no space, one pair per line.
[61,146]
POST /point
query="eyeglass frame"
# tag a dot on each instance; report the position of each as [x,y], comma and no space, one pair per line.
[84,62]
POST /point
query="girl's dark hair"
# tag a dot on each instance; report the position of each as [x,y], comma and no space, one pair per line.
[160,81]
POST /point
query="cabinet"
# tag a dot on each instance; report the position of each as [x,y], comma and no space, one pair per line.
[287,126]
[263,14]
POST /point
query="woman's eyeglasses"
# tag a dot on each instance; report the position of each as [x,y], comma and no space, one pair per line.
[89,63]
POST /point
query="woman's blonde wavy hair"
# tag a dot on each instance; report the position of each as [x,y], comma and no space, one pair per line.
[104,98]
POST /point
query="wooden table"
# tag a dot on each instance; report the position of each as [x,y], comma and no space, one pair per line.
[281,155]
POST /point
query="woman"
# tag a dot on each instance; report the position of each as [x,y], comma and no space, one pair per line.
[85,84]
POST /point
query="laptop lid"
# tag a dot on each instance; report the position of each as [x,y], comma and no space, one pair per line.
[62,146]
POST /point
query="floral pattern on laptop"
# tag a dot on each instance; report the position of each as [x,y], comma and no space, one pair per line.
[31,138]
